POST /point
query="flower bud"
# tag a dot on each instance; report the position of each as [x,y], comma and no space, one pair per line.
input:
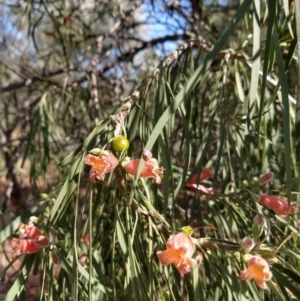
[147,155]
[247,244]
[96,151]
[245,184]
[55,258]
[188,230]
[278,205]
[33,219]
[246,257]
[258,225]
[266,177]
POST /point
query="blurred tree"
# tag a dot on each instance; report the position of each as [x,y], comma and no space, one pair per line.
[65,65]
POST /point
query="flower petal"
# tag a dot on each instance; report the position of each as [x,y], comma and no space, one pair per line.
[41,242]
[182,240]
[110,162]
[205,174]
[261,284]
[102,164]
[92,160]
[29,231]
[170,256]
[183,269]
[245,275]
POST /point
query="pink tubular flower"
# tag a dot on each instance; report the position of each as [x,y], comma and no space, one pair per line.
[258,270]
[179,252]
[279,206]
[102,164]
[30,240]
[151,169]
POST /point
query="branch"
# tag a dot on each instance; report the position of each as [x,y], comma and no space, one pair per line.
[94,64]
[29,81]
[128,55]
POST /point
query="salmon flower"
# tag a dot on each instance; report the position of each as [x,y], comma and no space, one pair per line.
[30,240]
[195,179]
[279,206]
[151,167]
[101,164]
[258,270]
[179,252]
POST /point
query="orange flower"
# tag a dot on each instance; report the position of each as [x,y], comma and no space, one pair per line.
[102,164]
[258,270]
[279,206]
[30,240]
[151,168]
[179,252]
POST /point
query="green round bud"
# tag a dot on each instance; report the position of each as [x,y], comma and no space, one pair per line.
[120,144]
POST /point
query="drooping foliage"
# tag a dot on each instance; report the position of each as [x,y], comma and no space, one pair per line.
[183,213]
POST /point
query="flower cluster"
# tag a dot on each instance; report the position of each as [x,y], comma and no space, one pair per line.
[180,248]
[179,252]
[30,240]
[106,162]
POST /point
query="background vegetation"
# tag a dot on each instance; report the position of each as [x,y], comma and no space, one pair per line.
[198,83]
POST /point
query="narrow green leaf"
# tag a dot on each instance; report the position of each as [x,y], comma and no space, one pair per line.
[286,116]
[198,74]
[19,283]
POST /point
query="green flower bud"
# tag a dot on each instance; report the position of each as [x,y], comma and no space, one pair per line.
[258,225]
